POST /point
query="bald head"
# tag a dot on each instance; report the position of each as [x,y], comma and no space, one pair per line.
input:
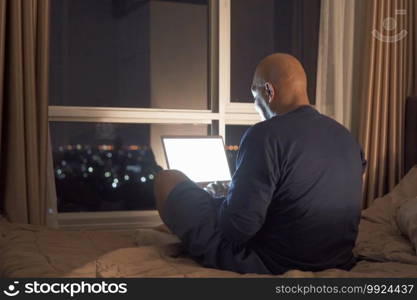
[281,79]
[281,69]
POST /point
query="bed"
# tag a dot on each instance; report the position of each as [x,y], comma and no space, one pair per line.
[385,247]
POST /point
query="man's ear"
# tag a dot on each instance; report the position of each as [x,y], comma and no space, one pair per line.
[270,91]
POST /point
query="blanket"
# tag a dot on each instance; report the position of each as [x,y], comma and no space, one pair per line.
[36,251]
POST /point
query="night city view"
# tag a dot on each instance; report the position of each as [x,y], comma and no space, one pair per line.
[111,166]
[106,177]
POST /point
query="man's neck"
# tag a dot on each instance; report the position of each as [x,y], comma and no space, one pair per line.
[287,109]
[293,103]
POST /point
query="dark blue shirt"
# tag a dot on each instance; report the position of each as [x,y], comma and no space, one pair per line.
[295,198]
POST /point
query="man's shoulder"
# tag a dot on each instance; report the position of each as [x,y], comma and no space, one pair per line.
[259,133]
[266,125]
[259,129]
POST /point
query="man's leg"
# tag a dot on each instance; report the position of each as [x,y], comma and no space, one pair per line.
[165,182]
[188,211]
[191,213]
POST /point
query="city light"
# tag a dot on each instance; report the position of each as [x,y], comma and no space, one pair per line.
[105,147]
[59,171]
[232,147]
[151,176]
[127,177]
[90,169]
[109,155]
[114,185]
[115,180]
[107,174]
[143,179]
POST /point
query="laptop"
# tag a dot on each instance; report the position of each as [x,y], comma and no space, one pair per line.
[202,158]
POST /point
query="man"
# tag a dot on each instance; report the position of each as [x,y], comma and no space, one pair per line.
[295,198]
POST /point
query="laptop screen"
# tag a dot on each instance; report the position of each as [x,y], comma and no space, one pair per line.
[202,159]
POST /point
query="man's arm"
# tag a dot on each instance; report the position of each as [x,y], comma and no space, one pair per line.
[243,212]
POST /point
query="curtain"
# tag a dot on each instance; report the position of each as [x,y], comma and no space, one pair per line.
[389,75]
[341,40]
[26,193]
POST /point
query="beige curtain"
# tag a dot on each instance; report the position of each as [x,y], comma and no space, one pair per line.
[389,70]
[25,151]
[335,60]
[341,42]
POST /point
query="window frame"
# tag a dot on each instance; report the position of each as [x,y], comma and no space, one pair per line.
[223,112]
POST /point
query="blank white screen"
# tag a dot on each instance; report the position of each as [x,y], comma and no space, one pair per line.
[201,159]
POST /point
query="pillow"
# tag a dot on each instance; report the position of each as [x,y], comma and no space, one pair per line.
[380,237]
[407,187]
[383,210]
[407,220]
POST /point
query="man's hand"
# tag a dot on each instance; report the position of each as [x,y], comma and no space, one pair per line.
[217,189]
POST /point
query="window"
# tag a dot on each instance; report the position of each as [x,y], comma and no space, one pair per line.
[126,53]
[125,72]
[259,28]
[109,166]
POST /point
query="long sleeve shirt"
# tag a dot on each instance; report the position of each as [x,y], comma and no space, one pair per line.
[295,197]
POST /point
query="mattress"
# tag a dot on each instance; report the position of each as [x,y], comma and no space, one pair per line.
[33,251]
[36,251]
